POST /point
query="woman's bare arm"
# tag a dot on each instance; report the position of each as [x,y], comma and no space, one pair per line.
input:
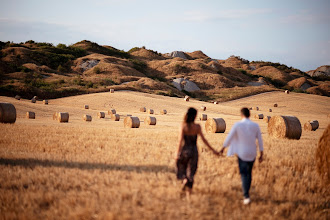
[180,142]
[205,141]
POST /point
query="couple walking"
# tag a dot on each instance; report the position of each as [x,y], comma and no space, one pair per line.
[241,142]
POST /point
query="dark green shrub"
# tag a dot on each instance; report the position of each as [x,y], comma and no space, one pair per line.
[97,70]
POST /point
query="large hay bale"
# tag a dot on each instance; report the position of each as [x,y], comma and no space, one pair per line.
[55,115]
[203,117]
[112,91]
[150,111]
[7,113]
[18,97]
[275,105]
[163,112]
[284,127]
[286,91]
[215,125]
[86,106]
[311,125]
[186,98]
[323,155]
[259,116]
[33,100]
[101,114]
[131,122]
[112,111]
[30,115]
[270,110]
[63,117]
[45,102]
[87,118]
[267,118]
[115,117]
[203,108]
[143,109]
[149,120]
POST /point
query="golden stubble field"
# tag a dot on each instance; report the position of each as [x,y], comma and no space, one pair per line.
[101,170]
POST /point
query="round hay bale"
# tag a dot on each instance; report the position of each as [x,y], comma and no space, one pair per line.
[150,111]
[115,117]
[7,113]
[35,97]
[149,120]
[55,115]
[250,108]
[311,125]
[259,116]
[203,117]
[215,103]
[256,108]
[284,127]
[275,105]
[270,110]
[323,155]
[203,108]
[215,125]
[112,91]
[18,97]
[63,117]
[186,98]
[131,122]
[112,111]
[33,100]
[45,102]
[286,91]
[87,118]
[30,115]
[143,109]
[163,112]
[267,118]
[128,115]
[101,114]
[86,106]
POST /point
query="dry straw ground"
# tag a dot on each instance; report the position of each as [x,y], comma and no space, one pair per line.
[101,170]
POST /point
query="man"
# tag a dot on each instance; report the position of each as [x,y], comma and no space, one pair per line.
[242,142]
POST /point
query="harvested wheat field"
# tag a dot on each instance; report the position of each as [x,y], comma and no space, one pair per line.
[102,170]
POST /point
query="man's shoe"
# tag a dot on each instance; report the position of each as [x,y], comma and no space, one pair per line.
[246,201]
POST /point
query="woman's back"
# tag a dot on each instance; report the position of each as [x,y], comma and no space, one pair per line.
[190,132]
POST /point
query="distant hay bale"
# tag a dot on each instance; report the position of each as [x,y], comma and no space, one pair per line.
[163,112]
[256,108]
[311,125]
[186,98]
[86,106]
[112,90]
[267,118]
[323,156]
[101,114]
[203,108]
[112,111]
[115,117]
[270,110]
[259,116]
[203,117]
[150,111]
[149,120]
[286,91]
[131,122]
[143,109]
[87,118]
[7,113]
[128,115]
[55,115]
[215,125]
[18,97]
[45,102]
[63,117]
[284,127]
[215,103]
[30,115]
[275,105]
[33,100]
[250,108]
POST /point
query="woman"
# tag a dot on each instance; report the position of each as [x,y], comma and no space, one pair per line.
[187,154]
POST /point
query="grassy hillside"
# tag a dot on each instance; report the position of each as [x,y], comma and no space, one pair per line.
[50,71]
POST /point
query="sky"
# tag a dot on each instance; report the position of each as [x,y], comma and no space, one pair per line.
[293,32]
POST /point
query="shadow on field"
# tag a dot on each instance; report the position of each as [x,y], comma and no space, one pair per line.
[31,163]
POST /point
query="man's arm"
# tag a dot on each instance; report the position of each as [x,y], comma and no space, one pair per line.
[229,139]
[261,145]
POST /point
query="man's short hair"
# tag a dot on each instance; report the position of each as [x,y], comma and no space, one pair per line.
[245,112]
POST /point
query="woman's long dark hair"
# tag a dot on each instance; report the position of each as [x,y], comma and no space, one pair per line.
[190,116]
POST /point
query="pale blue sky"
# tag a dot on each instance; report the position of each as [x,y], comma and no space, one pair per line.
[294,32]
